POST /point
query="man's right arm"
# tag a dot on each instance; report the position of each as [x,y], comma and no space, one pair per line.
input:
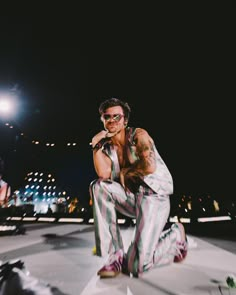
[102,163]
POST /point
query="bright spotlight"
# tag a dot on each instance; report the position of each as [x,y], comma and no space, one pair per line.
[7,105]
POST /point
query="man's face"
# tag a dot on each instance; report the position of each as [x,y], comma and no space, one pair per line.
[113,119]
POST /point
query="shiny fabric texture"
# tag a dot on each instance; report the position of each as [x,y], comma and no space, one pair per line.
[160,181]
[149,205]
[150,244]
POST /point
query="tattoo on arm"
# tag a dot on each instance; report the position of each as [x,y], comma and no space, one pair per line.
[146,155]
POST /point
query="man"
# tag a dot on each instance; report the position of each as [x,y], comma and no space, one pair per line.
[134,180]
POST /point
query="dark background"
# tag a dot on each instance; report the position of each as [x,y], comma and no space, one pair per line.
[171,64]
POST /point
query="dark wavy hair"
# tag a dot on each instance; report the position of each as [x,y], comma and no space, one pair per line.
[113,102]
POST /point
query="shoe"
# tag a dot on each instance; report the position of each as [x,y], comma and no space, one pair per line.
[113,267]
[182,242]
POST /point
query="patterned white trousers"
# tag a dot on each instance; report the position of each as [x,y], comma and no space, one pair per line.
[150,245]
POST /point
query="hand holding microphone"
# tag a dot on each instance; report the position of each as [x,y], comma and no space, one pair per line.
[101,138]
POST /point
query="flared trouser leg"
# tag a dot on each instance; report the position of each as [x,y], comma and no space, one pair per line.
[109,196]
[166,248]
[150,245]
[152,212]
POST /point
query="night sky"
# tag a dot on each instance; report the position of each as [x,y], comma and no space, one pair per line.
[173,73]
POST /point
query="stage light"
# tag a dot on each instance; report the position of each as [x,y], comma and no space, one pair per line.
[7,105]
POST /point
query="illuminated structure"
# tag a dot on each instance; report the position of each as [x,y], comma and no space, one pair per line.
[41,192]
